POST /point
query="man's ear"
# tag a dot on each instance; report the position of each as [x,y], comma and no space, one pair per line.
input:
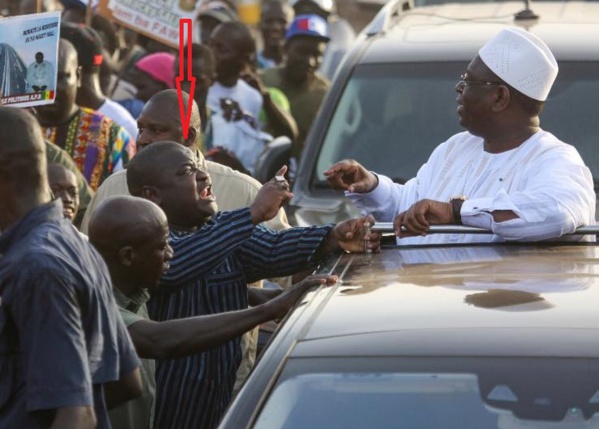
[502,98]
[126,256]
[191,137]
[151,193]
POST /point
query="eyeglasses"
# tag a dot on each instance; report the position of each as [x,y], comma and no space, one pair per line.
[464,82]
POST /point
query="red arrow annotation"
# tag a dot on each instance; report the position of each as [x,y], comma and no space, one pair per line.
[185,112]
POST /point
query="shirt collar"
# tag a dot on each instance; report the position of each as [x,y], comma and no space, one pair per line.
[132,302]
[46,213]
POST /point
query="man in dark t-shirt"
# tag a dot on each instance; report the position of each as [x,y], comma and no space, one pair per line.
[61,338]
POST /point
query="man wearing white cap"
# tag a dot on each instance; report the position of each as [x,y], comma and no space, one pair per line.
[504,173]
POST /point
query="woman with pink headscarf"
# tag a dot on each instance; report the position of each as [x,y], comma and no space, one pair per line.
[154,73]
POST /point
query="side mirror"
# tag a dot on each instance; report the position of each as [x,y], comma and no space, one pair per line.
[274,155]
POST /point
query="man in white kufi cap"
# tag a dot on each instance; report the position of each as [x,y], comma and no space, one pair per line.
[521,60]
[504,173]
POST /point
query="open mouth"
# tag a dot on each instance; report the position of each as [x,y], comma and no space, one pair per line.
[206,193]
[68,212]
[165,267]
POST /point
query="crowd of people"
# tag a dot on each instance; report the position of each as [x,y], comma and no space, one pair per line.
[125,293]
[132,263]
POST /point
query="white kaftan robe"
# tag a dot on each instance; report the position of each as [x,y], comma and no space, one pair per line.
[41,74]
[544,181]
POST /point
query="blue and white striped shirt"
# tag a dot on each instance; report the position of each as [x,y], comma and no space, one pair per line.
[209,274]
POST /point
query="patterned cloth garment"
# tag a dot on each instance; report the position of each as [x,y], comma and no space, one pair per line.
[98,145]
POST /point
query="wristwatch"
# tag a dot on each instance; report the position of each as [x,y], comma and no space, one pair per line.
[456,208]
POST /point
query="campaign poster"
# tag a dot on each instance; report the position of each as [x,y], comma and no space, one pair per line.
[157,19]
[28,58]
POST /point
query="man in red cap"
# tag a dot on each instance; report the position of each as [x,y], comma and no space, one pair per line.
[306,40]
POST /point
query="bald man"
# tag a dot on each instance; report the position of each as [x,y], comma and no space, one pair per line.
[215,256]
[63,184]
[63,343]
[160,120]
[132,236]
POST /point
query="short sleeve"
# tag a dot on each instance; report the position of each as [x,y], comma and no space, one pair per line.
[129,317]
[51,343]
[128,359]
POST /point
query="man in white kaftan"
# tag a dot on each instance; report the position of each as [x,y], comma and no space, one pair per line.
[504,174]
[544,181]
[40,74]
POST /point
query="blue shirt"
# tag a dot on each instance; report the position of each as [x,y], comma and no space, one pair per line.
[263,62]
[209,274]
[133,106]
[61,336]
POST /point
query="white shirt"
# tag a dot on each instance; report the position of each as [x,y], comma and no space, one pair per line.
[544,181]
[120,115]
[40,74]
[243,137]
[248,98]
[123,90]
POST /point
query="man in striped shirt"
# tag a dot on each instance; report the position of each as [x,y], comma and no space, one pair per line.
[160,120]
[215,256]
[132,235]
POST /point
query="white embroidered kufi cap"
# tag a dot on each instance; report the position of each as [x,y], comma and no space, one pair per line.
[521,60]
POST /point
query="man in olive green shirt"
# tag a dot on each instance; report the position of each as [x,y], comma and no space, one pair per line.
[138,413]
[306,40]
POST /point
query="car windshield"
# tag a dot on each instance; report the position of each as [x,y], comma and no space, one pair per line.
[391,116]
[428,400]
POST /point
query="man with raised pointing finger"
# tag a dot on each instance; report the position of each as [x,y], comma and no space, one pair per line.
[215,256]
[160,120]
[504,174]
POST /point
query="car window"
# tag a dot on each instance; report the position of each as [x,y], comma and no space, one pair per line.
[383,400]
[390,117]
[404,400]
[569,111]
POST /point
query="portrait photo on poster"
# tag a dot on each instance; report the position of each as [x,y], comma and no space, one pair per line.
[28,58]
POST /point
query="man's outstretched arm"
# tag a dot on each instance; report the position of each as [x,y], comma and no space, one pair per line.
[182,337]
